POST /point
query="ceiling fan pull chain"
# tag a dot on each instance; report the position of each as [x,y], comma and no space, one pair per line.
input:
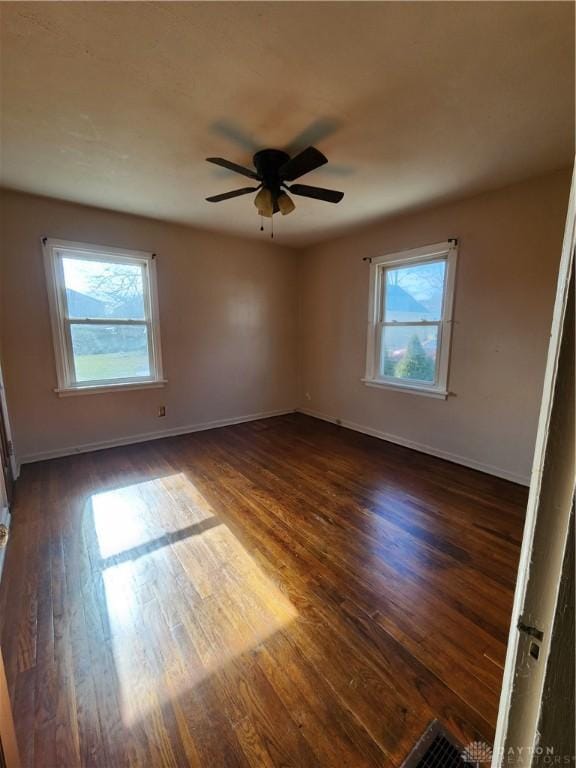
[261,223]
[272,227]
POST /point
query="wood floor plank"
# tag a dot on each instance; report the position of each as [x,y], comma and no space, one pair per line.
[277,593]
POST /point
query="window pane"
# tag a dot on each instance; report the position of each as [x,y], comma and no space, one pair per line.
[110,351]
[414,293]
[409,352]
[98,289]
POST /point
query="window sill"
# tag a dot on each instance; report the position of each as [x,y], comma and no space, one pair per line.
[102,388]
[439,394]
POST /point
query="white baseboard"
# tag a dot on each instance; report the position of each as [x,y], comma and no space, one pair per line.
[146,436]
[422,448]
[173,432]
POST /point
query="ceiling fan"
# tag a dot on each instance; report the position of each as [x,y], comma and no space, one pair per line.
[273,169]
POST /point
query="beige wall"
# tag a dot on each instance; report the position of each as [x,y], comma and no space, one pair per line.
[510,243]
[229,309]
[227,313]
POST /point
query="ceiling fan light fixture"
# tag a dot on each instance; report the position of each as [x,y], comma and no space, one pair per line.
[264,202]
[285,204]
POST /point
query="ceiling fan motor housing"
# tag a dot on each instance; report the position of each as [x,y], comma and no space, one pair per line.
[268,163]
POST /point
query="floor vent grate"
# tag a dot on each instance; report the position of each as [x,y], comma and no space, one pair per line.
[436,749]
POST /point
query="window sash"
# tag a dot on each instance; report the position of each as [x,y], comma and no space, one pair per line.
[399,379]
[122,323]
[103,321]
[392,323]
[55,252]
[382,282]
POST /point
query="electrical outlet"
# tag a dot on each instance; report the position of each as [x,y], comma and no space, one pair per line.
[161,411]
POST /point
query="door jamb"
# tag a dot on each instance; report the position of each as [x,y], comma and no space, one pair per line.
[510,711]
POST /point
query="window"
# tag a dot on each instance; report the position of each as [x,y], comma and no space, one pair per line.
[410,320]
[104,313]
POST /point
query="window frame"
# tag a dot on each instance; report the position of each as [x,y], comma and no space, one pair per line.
[53,250]
[447,251]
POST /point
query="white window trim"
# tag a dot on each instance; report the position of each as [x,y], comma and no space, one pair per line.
[59,321]
[439,388]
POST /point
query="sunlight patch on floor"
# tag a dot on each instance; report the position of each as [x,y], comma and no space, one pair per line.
[183,595]
[119,520]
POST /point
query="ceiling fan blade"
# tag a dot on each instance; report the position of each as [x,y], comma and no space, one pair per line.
[234,193]
[303,163]
[233,167]
[318,193]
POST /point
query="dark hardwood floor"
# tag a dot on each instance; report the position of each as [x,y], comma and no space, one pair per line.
[277,593]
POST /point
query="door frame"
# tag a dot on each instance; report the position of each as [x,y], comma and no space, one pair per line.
[9,755]
[6,446]
[543,547]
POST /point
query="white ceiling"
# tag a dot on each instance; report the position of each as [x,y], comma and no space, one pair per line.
[117,104]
